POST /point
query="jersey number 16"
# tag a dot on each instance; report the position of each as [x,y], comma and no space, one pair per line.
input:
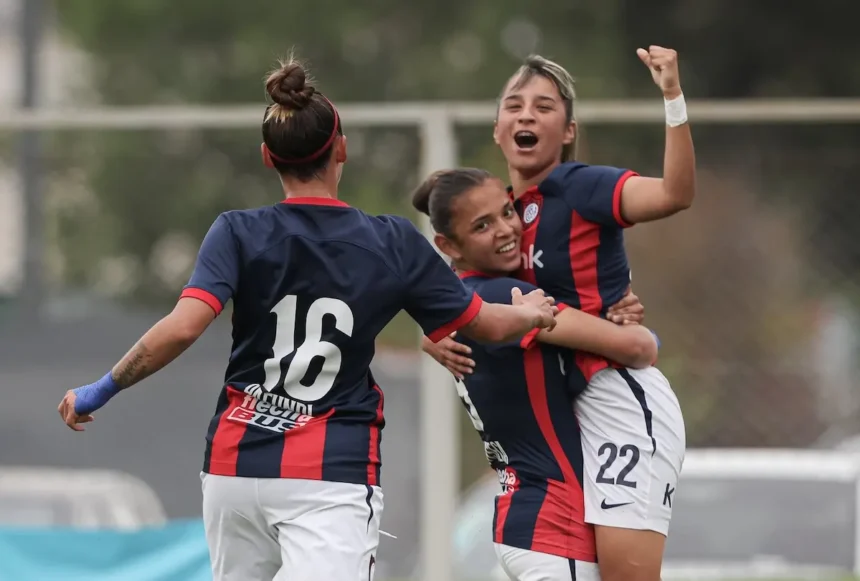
[313,346]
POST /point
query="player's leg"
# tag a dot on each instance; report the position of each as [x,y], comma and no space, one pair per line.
[328,530]
[633,448]
[525,565]
[241,545]
[629,554]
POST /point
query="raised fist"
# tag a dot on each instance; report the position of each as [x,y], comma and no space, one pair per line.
[663,64]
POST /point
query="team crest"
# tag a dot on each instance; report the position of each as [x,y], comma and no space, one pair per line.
[530,213]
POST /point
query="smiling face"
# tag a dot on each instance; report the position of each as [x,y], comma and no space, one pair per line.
[486,230]
[535,125]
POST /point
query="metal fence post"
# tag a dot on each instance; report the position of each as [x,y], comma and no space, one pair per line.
[439,443]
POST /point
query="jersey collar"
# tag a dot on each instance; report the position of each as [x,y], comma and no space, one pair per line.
[471,273]
[529,193]
[535,190]
[316,201]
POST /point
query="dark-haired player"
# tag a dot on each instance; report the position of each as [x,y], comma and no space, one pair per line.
[292,463]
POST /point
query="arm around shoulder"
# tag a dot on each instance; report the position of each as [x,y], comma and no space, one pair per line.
[502,323]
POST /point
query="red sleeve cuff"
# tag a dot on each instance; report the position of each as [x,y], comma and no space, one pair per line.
[616,198]
[530,339]
[470,313]
[205,296]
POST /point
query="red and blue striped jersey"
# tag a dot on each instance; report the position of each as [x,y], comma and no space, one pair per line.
[518,401]
[313,282]
[573,243]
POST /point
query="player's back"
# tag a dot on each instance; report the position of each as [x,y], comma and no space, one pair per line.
[312,275]
[518,401]
[313,282]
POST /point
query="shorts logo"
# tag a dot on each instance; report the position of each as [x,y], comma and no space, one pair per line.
[606,506]
[530,213]
[667,496]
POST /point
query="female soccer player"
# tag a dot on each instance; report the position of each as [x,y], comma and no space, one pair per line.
[520,397]
[573,248]
[292,463]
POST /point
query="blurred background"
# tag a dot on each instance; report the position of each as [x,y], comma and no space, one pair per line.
[128,125]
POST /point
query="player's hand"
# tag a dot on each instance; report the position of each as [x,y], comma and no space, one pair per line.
[663,64]
[67,412]
[451,354]
[546,309]
[627,311]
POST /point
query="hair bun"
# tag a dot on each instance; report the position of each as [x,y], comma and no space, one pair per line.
[421,195]
[287,86]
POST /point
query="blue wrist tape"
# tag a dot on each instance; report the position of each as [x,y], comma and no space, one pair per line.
[656,338]
[91,397]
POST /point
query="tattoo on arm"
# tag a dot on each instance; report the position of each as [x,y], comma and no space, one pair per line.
[136,366]
[163,343]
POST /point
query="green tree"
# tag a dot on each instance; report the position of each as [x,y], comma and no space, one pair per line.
[155,186]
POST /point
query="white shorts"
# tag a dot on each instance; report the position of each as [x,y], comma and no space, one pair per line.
[633,444]
[524,565]
[280,529]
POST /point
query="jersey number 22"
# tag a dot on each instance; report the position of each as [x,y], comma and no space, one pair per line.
[313,346]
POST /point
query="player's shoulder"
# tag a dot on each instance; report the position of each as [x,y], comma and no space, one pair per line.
[496,289]
[395,232]
[395,242]
[283,219]
[395,224]
[247,219]
[574,174]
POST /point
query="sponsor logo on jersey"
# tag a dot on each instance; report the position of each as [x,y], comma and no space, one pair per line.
[496,455]
[508,479]
[259,392]
[267,416]
[532,258]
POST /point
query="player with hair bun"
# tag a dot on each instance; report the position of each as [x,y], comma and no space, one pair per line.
[291,471]
[574,216]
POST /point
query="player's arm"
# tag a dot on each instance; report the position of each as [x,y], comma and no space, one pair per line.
[212,284]
[454,356]
[619,197]
[497,323]
[164,342]
[630,345]
[645,199]
[614,196]
[502,291]
[450,354]
[505,292]
[436,298]
[629,310]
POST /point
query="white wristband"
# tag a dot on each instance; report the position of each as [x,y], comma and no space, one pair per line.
[676,111]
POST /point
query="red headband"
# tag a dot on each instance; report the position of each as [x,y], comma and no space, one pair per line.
[318,152]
